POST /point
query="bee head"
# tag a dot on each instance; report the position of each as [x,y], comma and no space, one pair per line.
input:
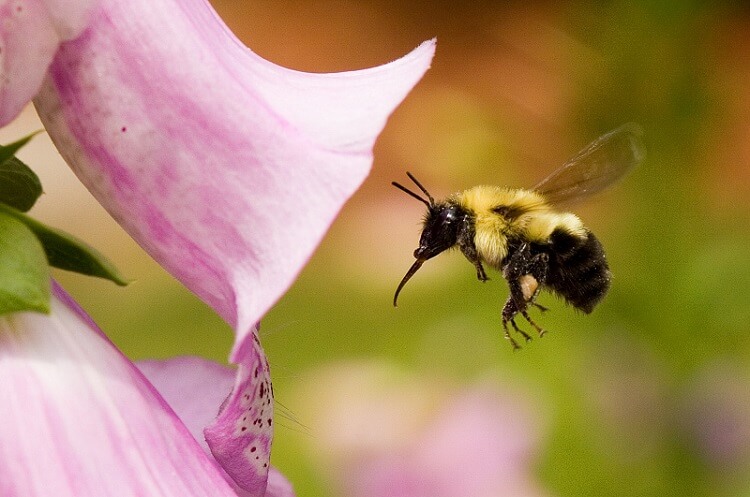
[440,232]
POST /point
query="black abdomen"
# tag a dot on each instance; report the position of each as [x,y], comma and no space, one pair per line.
[578,269]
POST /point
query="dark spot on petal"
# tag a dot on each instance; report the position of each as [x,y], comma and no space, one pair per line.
[243,428]
[124,129]
[269,421]
[253,448]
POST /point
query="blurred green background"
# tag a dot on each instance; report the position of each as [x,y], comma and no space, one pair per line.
[649,395]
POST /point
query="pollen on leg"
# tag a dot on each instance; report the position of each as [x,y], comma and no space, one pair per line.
[529,286]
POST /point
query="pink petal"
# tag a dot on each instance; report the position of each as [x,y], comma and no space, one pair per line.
[278,486]
[226,168]
[30,32]
[420,439]
[78,419]
[240,437]
[493,436]
[194,387]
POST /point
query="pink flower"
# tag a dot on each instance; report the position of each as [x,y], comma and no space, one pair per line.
[79,419]
[30,34]
[226,168]
[386,433]
[182,380]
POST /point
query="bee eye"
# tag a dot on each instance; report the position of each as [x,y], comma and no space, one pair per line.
[447,216]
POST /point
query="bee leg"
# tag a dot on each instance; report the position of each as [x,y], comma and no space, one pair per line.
[466,244]
[526,275]
[481,275]
[510,310]
[538,269]
[513,343]
[519,330]
[538,329]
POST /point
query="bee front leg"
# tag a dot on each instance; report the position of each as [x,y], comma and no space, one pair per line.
[474,259]
[481,275]
[466,244]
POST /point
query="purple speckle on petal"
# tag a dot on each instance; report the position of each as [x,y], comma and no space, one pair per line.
[240,438]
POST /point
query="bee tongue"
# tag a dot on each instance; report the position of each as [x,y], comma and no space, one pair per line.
[413,269]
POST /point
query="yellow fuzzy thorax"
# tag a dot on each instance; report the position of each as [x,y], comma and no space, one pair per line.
[529,218]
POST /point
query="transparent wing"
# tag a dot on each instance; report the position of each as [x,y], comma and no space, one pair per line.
[602,163]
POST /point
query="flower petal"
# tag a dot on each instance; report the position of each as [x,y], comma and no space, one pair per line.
[278,486]
[194,387]
[240,437]
[30,32]
[79,419]
[226,168]
[419,436]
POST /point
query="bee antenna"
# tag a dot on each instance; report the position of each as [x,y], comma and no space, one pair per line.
[401,187]
[424,190]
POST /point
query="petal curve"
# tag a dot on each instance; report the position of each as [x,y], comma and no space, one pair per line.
[79,419]
[240,437]
[226,168]
[30,32]
[194,387]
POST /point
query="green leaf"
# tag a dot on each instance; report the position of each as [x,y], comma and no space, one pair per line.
[64,251]
[19,185]
[8,151]
[24,272]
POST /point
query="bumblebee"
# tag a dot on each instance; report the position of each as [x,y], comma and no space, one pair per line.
[523,235]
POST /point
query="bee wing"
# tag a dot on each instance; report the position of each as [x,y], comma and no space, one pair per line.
[602,163]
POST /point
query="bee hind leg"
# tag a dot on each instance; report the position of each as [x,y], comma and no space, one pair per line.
[538,328]
[526,275]
[540,307]
[510,310]
[507,336]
